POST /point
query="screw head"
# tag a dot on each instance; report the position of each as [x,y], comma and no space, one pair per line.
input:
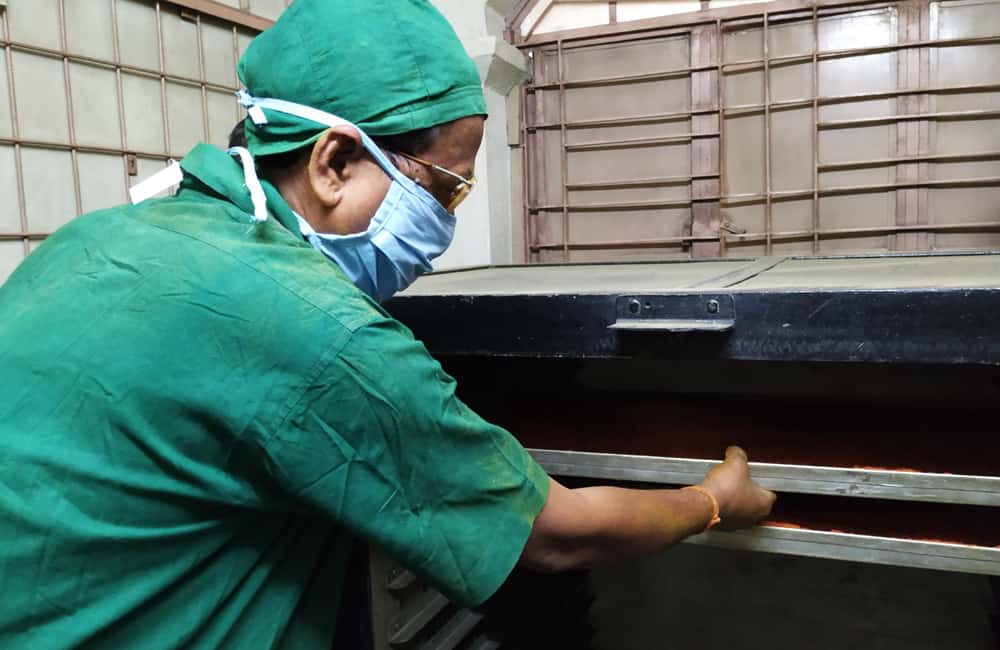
[634,306]
[713,306]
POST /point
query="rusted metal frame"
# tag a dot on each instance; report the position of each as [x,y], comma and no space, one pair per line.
[101,63]
[15,124]
[70,113]
[677,73]
[750,65]
[563,151]
[652,118]
[201,70]
[705,151]
[663,181]
[974,156]
[791,195]
[815,131]
[911,117]
[511,31]
[754,238]
[120,89]
[631,28]
[681,138]
[225,12]
[163,81]
[768,212]
[790,104]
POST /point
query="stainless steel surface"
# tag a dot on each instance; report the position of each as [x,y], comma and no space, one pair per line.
[802,479]
[858,548]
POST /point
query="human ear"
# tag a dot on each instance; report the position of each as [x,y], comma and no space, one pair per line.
[332,162]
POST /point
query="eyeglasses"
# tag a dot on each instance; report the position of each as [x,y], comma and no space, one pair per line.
[461,189]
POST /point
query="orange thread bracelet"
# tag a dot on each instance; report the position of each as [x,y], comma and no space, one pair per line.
[715,505]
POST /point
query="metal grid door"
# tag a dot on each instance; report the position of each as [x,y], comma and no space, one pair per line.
[785,128]
[97,94]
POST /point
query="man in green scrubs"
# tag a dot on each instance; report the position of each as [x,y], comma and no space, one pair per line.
[200,410]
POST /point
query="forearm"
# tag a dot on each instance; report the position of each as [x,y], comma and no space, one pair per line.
[591,526]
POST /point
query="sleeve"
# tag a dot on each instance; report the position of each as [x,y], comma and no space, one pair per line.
[380,443]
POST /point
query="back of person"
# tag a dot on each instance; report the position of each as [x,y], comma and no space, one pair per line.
[144,363]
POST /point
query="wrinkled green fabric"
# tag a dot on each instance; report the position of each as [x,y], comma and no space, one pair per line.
[197,417]
[388,66]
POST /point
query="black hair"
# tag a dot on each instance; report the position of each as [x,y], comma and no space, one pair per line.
[412,143]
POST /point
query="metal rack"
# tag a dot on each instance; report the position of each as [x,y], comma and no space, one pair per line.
[711,233]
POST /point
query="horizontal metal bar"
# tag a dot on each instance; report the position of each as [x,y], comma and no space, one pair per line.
[858,548]
[622,79]
[653,118]
[800,479]
[748,65]
[225,12]
[18,236]
[787,195]
[87,148]
[789,104]
[974,156]
[663,181]
[783,195]
[124,67]
[624,205]
[416,614]
[748,238]
[914,117]
[684,138]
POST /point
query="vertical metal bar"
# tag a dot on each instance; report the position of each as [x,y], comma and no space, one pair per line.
[768,221]
[70,113]
[236,73]
[525,174]
[564,156]
[122,126]
[163,81]
[721,97]
[613,12]
[201,68]
[815,130]
[16,129]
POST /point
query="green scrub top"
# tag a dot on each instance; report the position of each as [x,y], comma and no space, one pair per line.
[198,415]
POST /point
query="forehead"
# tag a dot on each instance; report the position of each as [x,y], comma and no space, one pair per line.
[457,144]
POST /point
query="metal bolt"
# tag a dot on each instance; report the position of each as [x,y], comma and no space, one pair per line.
[634,306]
[713,306]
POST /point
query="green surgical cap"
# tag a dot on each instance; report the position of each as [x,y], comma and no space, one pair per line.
[388,66]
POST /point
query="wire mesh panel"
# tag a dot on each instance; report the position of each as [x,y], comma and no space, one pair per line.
[830,128]
[97,94]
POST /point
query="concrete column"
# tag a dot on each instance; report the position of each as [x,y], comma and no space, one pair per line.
[484,221]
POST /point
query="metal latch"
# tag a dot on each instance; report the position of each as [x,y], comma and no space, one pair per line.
[675,314]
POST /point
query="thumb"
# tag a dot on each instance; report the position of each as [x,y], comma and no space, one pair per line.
[735,453]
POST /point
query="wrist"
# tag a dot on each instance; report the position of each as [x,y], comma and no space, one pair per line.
[710,497]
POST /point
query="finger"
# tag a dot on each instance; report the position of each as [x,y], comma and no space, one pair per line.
[735,453]
[771,497]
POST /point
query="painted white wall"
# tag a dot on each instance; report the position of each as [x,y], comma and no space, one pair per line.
[484,220]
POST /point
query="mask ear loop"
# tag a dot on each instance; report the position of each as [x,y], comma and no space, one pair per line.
[252,182]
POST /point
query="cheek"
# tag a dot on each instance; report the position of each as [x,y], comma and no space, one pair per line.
[363,199]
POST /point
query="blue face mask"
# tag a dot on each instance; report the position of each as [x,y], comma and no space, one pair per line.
[409,229]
